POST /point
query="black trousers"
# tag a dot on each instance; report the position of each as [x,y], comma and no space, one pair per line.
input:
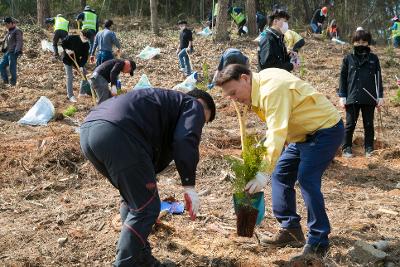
[120,158]
[352,113]
[240,27]
[58,35]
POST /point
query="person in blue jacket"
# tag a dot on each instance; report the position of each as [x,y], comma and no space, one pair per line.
[132,137]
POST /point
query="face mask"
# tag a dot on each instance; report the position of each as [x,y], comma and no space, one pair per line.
[361,49]
[284,28]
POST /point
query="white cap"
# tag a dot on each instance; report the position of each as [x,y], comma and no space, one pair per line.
[359,29]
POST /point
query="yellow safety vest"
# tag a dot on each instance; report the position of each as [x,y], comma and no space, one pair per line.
[61,24]
[238,17]
[90,21]
[396,33]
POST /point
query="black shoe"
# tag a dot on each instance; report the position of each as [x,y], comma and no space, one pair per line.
[347,152]
[368,151]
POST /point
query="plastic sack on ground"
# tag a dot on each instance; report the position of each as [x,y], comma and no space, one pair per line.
[256,200]
[188,84]
[40,113]
[172,207]
[48,46]
[205,32]
[149,52]
[143,83]
[338,41]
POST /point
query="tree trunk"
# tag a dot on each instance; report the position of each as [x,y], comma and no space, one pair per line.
[153,14]
[83,3]
[251,17]
[221,29]
[43,12]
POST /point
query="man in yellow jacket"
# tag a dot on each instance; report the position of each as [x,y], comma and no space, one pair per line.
[297,114]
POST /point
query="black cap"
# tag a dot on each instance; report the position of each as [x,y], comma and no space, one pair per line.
[133,67]
[182,22]
[8,20]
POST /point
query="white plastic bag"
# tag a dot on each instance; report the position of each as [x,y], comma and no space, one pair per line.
[338,41]
[188,84]
[142,83]
[40,113]
[205,32]
[149,52]
[48,46]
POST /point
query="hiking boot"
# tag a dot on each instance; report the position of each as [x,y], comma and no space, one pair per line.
[72,99]
[369,151]
[311,251]
[292,237]
[347,152]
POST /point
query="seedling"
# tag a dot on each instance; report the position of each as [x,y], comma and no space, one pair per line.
[247,207]
[70,111]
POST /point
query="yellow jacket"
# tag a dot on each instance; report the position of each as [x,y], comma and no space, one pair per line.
[291,109]
[291,38]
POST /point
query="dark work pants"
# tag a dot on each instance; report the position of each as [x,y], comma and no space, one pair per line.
[58,35]
[305,162]
[240,27]
[129,168]
[352,113]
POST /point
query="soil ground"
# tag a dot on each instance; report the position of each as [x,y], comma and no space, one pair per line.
[49,191]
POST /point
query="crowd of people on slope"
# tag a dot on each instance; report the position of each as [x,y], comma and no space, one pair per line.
[132,137]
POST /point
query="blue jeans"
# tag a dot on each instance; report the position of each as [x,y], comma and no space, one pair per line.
[9,60]
[184,61]
[315,28]
[70,78]
[305,162]
[103,56]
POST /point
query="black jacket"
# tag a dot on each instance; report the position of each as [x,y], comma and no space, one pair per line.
[167,123]
[272,52]
[359,72]
[74,43]
[318,18]
[110,70]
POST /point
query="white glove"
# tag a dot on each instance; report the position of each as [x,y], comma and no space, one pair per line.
[69,51]
[258,183]
[342,102]
[380,102]
[114,90]
[192,202]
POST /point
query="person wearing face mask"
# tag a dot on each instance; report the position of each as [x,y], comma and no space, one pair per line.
[318,19]
[272,51]
[76,48]
[360,89]
[291,109]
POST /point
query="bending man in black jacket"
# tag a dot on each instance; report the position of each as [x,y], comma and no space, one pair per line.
[132,137]
[272,50]
[108,73]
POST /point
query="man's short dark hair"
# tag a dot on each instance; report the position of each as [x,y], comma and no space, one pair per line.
[277,14]
[108,23]
[361,35]
[182,22]
[231,72]
[207,98]
[86,33]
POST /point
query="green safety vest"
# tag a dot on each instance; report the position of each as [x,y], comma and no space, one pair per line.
[216,7]
[90,21]
[61,24]
[396,33]
[238,17]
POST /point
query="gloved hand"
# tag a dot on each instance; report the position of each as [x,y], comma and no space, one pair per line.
[210,86]
[342,102]
[258,183]
[114,90]
[92,59]
[192,202]
[69,52]
[380,102]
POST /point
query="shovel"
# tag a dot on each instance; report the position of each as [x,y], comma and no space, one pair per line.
[73,58]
